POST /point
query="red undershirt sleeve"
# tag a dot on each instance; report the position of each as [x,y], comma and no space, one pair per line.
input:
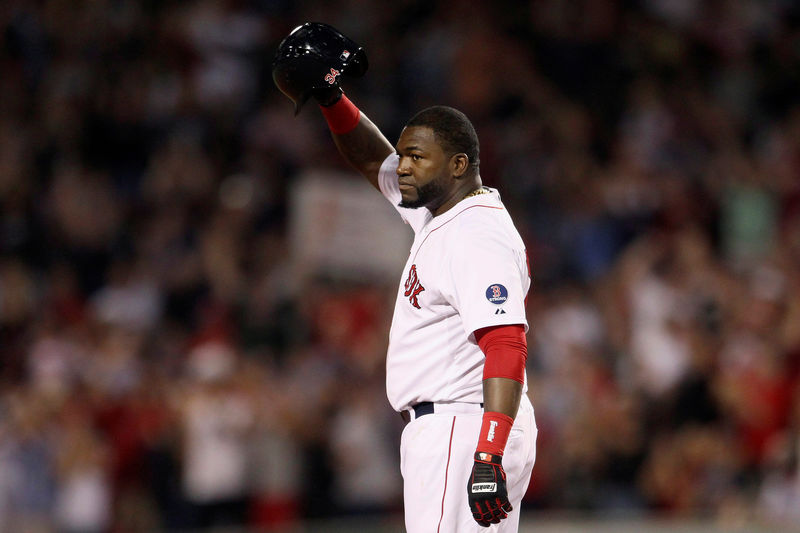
[506,350]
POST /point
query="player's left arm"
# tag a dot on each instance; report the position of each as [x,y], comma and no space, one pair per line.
[490,279]
[505,349]
[502,395]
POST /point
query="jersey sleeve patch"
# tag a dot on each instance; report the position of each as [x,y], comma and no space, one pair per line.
[497,294]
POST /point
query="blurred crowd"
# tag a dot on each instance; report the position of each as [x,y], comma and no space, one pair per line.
[162,367]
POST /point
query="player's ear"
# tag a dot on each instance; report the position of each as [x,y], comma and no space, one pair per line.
[459,163]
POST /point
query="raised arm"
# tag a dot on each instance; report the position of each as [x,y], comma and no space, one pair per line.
[358,139]
[311,61]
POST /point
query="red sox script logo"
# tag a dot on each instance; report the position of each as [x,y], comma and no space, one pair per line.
[331,78]
[413,286]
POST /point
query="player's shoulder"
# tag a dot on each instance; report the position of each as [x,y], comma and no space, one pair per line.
[481,216]
[485,226]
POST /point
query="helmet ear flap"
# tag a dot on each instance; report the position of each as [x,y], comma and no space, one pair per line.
[295,77]
[313,57]
[300,102]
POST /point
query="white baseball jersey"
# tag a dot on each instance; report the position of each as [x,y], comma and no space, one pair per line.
[467,270]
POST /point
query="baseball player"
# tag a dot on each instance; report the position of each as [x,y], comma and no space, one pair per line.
[457,347]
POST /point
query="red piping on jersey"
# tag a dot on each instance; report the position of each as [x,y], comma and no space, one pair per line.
[446,469]
[445,222]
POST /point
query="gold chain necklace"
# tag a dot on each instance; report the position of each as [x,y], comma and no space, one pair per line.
[476,192]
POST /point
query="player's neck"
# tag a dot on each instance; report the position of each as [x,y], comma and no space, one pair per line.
[476,192]
[470,188]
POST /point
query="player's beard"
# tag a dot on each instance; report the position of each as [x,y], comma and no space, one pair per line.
[427,195]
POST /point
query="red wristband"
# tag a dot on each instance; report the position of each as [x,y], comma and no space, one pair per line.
[342,116]
[494,432]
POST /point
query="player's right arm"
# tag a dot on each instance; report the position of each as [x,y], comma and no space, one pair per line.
[363,146]
[310,62]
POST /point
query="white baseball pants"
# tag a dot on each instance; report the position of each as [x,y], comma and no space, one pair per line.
[436,458]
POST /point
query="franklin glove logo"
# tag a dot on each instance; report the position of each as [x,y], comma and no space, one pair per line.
[492,425]
[484,487]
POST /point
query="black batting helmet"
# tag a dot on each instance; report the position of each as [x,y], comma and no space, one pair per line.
[314,56]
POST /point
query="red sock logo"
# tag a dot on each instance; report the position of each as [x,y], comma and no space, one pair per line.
[413,287]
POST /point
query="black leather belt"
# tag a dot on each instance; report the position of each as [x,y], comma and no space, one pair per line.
[421,409]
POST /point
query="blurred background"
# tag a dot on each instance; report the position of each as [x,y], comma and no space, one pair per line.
[195,291]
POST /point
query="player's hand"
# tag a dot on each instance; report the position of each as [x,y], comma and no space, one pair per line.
[486,489]
[327,96]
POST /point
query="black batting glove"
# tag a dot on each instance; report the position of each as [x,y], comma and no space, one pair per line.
[486,489]
[327,96]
